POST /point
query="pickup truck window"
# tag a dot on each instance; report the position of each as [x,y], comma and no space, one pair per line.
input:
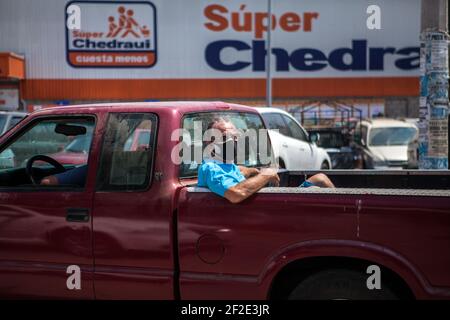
[14,120]
[127,152]
[46,137]
[242,120]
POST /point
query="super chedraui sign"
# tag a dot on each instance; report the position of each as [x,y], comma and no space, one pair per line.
[113,34]
[356,56]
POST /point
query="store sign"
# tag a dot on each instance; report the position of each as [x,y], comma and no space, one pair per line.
[113,34]
[9,99]
[247,50]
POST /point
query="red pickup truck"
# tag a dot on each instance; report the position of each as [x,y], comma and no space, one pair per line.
[140,228]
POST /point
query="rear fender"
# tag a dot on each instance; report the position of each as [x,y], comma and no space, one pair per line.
[376,254]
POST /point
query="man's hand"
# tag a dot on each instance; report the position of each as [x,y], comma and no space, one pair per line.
[248,172]
[49,181]
[272,173]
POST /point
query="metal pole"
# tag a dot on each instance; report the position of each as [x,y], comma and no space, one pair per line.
[433,123]
[268,57]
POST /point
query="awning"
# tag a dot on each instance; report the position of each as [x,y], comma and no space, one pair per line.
[12,66]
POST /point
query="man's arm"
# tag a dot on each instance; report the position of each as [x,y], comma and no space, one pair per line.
[248,172]
[246,188]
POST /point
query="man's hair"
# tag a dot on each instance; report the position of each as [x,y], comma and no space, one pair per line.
[216,120]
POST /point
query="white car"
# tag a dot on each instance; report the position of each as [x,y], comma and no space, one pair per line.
[384,142]
[292,146]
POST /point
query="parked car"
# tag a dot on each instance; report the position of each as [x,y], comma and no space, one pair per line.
[337,143]
[293,147]
[75,152]
[140,228]
[383,143]
[9,119]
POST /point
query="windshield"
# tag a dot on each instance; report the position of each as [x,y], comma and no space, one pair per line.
[254,136]
[79,145]
[391,136]
[330,140]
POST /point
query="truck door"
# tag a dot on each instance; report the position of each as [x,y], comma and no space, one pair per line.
[132,243]
[45,230]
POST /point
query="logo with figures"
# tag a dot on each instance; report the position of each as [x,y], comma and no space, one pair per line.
[113,34]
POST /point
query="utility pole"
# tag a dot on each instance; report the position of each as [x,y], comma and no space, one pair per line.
[434,104]
[268,56]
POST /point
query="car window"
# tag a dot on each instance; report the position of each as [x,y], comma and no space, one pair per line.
[330,139]
[275,121]
[43,138]
[294,128]
[257,153]
[13,121]
[2,122]
[126,158]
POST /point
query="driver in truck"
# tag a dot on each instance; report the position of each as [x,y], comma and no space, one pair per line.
[221,175]
[76,176]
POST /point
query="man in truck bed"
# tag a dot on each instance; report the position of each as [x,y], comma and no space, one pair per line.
[236,183]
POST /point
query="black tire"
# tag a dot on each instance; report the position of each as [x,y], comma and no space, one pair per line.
[325,165]
[281,164]
[339,284]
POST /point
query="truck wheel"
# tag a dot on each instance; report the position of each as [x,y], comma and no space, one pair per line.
[325,165]
[339,284]
[281,164]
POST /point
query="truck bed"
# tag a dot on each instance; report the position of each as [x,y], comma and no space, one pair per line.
[375,179]
[399,220]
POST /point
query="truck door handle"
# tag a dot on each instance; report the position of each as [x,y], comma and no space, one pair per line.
[284,145]
[77,215]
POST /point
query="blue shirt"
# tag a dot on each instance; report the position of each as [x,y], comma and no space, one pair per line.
[219,177]
[75,176]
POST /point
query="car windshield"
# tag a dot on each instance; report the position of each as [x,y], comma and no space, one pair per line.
[394,136]
[80,144]
[329,139]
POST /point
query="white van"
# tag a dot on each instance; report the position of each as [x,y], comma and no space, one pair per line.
[384,142]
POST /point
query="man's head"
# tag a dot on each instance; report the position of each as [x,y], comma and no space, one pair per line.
[225,126]
[223,140]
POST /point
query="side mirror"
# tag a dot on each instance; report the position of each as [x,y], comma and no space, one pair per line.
[314,137]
